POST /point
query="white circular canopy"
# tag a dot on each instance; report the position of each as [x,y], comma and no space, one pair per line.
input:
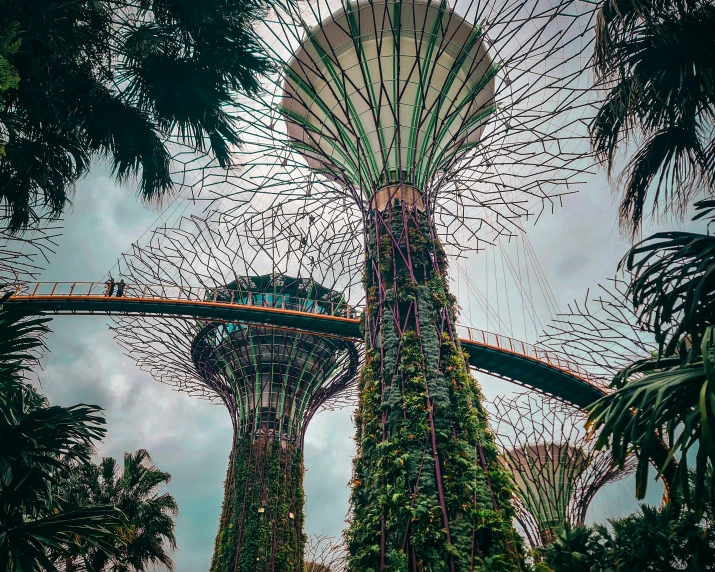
[388,91]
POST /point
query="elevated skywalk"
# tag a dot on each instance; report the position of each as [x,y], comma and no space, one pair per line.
[490,353]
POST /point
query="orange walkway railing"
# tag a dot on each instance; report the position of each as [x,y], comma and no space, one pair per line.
[507,344]
[77,290]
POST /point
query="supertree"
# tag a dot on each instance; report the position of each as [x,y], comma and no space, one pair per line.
[557,470]
[272,380]
[408,121]
[408,127]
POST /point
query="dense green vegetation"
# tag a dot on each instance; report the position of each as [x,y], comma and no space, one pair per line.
[425,454]
[39,442]
[57,509]
[261,525]
[9,79]
[118,80]
[653,539]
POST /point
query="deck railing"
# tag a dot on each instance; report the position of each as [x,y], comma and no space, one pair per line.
[278,300]
[505,343]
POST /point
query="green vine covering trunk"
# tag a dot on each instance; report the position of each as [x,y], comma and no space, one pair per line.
[263,488]
[428,493]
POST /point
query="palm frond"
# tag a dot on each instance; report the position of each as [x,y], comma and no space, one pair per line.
[673,288]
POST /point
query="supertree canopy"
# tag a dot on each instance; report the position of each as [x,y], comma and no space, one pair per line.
[384,94]
[556,467]
[602,332]
[23,254]
[392,132]
[271,379]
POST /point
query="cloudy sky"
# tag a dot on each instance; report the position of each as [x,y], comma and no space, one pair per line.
[577,246]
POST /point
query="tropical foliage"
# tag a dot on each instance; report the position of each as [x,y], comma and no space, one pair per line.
[652,540]
[669,397]
[146,534]
[9,79]
[655,58]
[118,80]
[262,514]
[38,442]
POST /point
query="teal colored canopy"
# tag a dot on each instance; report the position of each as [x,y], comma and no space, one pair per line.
[273,379]
[281,291]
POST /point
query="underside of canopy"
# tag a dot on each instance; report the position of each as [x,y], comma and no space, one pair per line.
[388,92]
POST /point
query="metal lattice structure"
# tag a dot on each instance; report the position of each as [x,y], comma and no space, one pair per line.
[272,380]
[555,465]
[23,255]
[601,333]
[480,107]
[325,554]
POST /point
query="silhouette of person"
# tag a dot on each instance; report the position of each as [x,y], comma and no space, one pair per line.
[120,288]
[110,287]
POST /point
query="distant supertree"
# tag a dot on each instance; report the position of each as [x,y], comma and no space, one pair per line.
[555,465]
[272,380]
[411,127]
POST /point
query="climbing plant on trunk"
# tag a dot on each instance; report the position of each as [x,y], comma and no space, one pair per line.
[428,490]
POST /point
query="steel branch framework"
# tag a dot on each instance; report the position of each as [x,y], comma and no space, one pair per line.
[556,467]
[482,109]
[24,254]
[601,333]
[325,554]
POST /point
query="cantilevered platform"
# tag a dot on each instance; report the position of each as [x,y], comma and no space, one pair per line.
[490,353]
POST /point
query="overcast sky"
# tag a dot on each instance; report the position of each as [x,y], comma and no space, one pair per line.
[577,246]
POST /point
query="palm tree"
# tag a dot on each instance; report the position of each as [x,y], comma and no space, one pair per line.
[124,80]
[147,533]
[37,443]
[669,397]
[576,549]
[656,59]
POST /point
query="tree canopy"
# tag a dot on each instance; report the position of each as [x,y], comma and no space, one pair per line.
[655,58]
[669,397]
[38,443]
[122,80]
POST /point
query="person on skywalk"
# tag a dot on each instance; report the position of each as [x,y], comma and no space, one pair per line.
[110,287]
[120,288]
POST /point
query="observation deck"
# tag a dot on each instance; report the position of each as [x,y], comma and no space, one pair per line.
[494,354]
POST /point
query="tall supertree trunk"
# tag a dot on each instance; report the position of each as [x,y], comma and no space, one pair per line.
[261,527]
[428,490]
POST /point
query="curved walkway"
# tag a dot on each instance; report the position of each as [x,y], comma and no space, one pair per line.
[496,355]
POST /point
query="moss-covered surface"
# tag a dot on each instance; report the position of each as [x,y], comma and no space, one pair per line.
[263,488]
[428,493]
